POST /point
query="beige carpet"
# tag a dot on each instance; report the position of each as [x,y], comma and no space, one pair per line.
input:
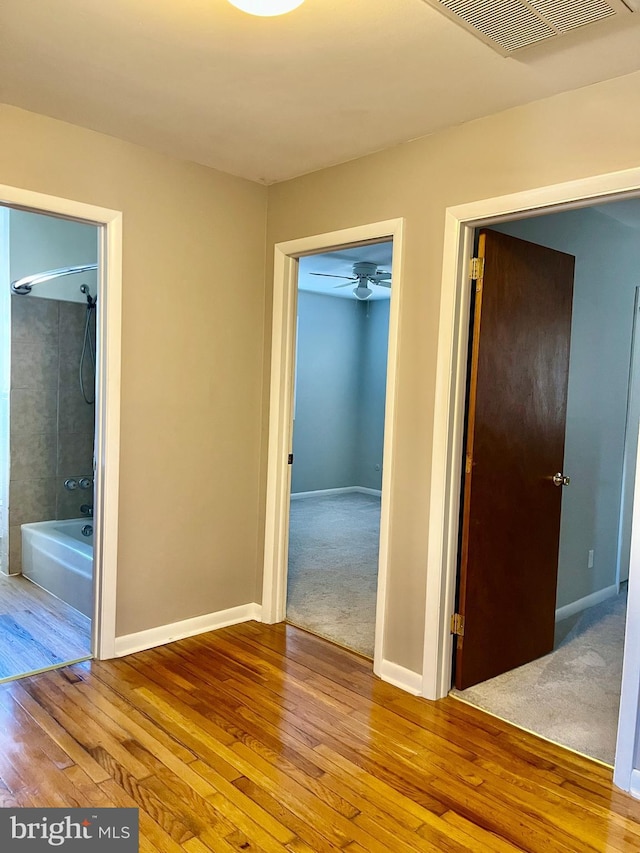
[571,696]
[333,567]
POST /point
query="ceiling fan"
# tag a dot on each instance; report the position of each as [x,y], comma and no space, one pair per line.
[364,273]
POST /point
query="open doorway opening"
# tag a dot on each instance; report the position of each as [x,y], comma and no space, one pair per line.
[287,258]
[572,695]
[338,436]
[48,368]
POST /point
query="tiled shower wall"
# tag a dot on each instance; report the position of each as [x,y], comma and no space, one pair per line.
[52,427]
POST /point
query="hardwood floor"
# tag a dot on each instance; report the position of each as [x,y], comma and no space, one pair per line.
[37,630]
[269,740]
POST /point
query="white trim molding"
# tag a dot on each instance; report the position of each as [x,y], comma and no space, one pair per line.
[283,333]
[400,676]
[341,490]
[5,389]
[629,715]
[447,450]
[586,602]
[107,428]
[634,787]
[107,439]
[163,634]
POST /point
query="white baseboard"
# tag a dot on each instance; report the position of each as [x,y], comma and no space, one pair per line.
[586,602]
[163,634]
[363,490]
[634,786]
[399,676]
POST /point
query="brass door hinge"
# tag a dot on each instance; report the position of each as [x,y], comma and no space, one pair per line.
[290,459]
[457,625]
[476,268]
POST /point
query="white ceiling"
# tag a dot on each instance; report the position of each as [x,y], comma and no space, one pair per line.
[341,263]
[272,98]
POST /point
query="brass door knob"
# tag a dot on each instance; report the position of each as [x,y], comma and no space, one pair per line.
[560,480]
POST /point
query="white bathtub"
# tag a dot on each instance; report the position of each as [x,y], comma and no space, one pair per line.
[59,558]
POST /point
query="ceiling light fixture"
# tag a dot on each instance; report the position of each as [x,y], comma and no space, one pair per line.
[266,8]
[362,291]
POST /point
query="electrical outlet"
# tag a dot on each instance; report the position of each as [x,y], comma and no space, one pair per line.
[590,561]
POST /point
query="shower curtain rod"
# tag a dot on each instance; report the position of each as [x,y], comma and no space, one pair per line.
[22,286]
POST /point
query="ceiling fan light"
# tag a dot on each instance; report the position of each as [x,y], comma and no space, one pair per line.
[266,8]
[362,293]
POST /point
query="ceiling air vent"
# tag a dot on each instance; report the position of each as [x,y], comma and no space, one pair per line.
[509,25]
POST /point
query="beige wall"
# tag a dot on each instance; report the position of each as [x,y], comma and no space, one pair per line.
[195,389]
[587,132]
[193,281]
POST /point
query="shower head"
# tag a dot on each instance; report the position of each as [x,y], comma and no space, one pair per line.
[91,302]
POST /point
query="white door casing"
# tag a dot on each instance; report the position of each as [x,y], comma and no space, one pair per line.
[107,421]
[630,451]
[460,224]
[5,388]
[283,343]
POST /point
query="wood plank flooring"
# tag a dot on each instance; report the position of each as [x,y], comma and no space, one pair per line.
[37,630]
[266,739]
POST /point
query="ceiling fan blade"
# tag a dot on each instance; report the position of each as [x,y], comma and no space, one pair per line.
[382,276]
[329,275]
[383,284]
[346,284]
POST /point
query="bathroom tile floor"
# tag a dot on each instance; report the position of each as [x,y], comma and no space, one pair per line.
[37,630]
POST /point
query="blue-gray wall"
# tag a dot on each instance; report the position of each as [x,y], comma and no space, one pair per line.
[374,320]
[340,392]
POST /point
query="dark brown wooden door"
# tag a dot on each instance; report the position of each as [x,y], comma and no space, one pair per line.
[515,444]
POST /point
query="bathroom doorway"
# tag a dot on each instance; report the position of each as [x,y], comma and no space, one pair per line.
[49,312]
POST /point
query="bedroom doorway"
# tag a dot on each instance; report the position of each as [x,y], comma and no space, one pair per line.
[338,434]
[279,470]
[569,690]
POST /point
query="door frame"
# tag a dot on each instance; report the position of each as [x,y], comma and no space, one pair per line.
[630,447]
[283,343]
[5,387]
[107,420]
[447,450]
